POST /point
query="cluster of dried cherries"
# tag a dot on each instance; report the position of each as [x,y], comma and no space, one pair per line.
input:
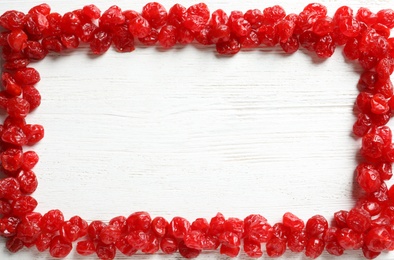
[365,35]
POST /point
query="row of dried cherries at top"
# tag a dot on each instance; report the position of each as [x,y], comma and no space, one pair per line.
[366,36]
[40,31]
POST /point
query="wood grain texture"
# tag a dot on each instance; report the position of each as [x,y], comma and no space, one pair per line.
[186,132]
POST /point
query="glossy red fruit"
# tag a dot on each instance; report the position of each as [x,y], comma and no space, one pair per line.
[281,231]
[349,239]
[188,252]
[368,177]
[316,226]
[293,222]
[69,231]
[155,14]
[333,248]
[120,222]
[241,27]
[138,239]
[23,205]
[5,208]
[81,224]
[275,247]
[91,11]
[372,147]
[368,254]
[124,247]
[152,245]
[151,39]
[11,159]
[366,16]
[197,16]
[34,133]
[36,24]
[314,248]
[362,125]
[179,227]
[359,220]
[43,241]
[14,135]
[69,41]
[378,239]
[349,27]
[44,9]
[9,188]
[139,221]
[8,226]
[86,247]
[252,248]
[159,226]
[386,17]
[94,230]
[12,20]
[104,251]
[52,43]
[379,104]
[28,229]
[52,221]
[200,224]
[100,42]
[168,245]
[32,96]
[325,46]
[59,247]
[273,14]
[28,182]
[168,36]
[18,107]
[139,27]
[230,239]
[323,26]
[230,251]
[14,121]
[351,50]
[195,239]
[296,241]
[85,33]
[110,234]
[230,47]
[111,17]
[10,85]
[17,40]
[27,76]
[30,159]
[14,244]
[234,225]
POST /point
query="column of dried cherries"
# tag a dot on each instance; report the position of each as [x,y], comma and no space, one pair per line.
[365,35]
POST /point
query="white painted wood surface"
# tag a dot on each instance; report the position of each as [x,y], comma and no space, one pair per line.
[186,132]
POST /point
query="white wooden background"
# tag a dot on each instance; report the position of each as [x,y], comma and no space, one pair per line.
[186,132]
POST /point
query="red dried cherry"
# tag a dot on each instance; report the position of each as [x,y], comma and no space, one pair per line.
[139,221]
[168,245]
[179,227]
[11,159]
[52,221]
[86,247]
[27,181]
[159,226]
[316,226]
[31,95]
[293,222]
[59,247]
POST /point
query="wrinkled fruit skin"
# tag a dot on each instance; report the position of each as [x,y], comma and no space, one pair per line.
[365,36]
